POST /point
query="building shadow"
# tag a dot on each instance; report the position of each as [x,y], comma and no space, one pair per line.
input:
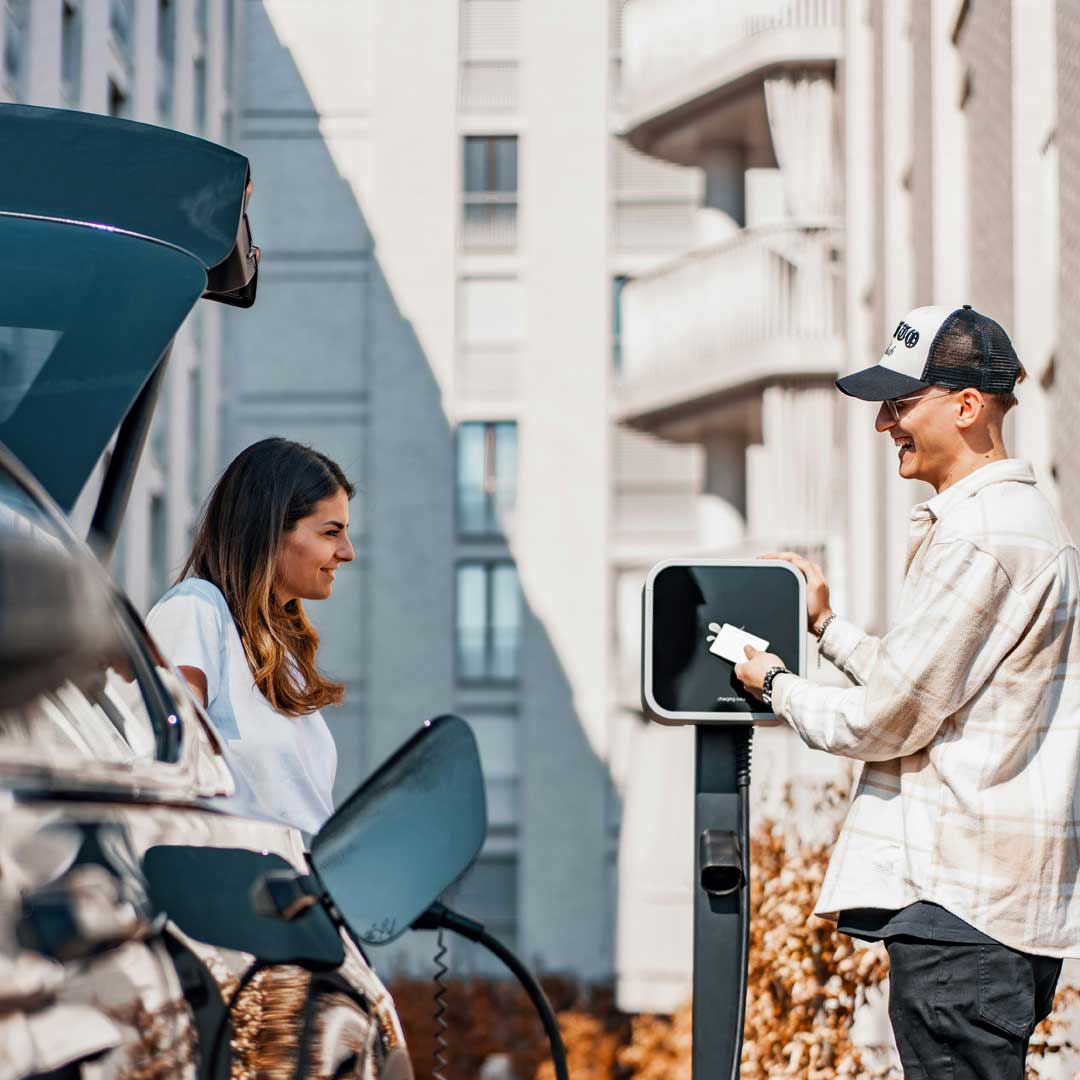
[327,357]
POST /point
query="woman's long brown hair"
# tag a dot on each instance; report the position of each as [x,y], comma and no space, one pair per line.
[260,497]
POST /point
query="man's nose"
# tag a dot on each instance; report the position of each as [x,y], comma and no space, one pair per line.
[884,419]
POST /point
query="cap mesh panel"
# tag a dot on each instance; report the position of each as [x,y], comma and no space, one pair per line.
[970,349]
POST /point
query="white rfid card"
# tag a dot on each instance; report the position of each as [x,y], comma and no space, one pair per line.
[729,642]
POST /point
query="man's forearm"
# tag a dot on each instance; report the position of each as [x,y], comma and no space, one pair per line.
[851,649]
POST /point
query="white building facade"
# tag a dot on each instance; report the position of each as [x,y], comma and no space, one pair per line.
[862,157]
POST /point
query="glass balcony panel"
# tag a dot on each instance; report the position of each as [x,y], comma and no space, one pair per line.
[472,621]
[490,221]
[505,622]
[504,473]
[474,514]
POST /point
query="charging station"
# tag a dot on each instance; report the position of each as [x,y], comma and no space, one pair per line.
[696,617]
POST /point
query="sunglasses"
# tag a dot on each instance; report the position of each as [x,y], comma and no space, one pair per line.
[894,404]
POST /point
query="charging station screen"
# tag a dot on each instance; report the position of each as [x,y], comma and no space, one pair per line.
[697,610]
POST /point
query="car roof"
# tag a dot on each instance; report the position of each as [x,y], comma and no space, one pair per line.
[110,230]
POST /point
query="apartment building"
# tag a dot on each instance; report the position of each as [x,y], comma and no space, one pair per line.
[952,118]
[862,157]
[730,347]
[167,62]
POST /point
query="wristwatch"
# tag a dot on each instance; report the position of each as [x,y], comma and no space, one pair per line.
[766,683]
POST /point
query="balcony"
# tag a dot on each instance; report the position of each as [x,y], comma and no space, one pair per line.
[489,221]
[701,336]
[694,72]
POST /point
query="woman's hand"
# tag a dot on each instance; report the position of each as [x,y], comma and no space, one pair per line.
[751,672]
[817,588]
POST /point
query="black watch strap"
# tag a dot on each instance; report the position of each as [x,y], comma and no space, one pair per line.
[766,683]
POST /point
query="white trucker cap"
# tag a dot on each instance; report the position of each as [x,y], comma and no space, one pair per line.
[939,346]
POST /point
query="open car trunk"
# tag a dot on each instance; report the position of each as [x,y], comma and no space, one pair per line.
[111,231]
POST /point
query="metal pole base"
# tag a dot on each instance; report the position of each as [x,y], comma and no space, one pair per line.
[721,903]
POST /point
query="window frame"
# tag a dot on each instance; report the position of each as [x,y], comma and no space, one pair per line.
[492,529]
[489,565]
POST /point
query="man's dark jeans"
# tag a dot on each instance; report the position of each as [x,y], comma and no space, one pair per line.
[966,1012]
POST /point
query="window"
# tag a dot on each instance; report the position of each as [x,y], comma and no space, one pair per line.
[200,94]
[486,477]
[195,434]
[16,14]
[489,44]
[159,540]
[618,283]
[166,56]
[121,25]
[489,893]
[490,186]
[488,622]
[497,738]
[118,101]
[71,52]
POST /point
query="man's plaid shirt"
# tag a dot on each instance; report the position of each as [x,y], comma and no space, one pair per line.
[967,714]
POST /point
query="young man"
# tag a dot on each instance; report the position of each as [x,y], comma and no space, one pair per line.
[961,848]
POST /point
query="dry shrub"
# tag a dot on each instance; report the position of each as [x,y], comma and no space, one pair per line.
[804,982]
[494,1016]
[1050,1037]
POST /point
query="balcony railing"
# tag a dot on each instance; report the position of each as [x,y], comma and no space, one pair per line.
[489,220]
[756,307]
[675,48]
[488,86]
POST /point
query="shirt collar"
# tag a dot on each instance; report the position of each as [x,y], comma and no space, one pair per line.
[997,472]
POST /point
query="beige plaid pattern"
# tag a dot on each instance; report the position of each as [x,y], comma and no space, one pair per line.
[967,715]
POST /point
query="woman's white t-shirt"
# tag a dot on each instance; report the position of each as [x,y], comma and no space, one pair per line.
[287,764]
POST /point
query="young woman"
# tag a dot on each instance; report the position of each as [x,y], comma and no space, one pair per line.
[273,535]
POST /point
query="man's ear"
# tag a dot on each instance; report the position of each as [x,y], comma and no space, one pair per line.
[971,407]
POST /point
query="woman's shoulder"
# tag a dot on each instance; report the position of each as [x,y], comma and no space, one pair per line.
[203,592]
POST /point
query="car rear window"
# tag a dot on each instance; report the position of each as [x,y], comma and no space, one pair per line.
[85,315]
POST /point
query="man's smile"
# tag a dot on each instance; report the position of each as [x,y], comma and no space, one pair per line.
[903,443]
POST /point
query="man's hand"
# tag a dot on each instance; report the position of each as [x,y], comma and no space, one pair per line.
[817,588]
[751,672]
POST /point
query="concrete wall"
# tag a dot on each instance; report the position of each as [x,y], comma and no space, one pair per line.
[985,45]
[1066,369]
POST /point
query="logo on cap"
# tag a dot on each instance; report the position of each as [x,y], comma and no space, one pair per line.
[907,334]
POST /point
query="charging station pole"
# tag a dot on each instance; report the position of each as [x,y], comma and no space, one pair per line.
[697,614]
[721,904]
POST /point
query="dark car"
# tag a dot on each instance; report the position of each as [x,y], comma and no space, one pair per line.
[132,900]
